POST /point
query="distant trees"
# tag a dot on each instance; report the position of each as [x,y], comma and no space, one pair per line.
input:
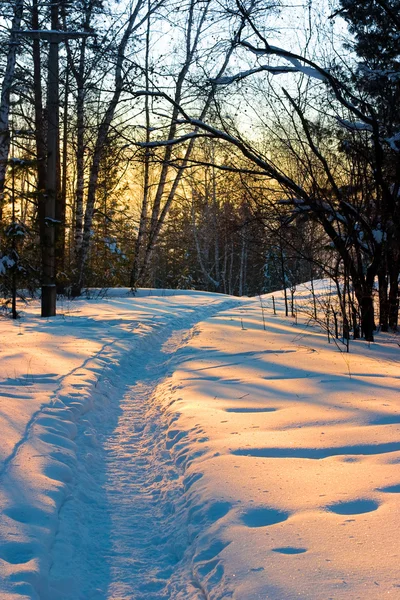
[344,186]
[188,83]
[213,239]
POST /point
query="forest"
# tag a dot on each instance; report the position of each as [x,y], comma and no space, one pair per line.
[237,147]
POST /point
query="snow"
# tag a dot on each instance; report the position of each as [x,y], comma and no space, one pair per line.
[354,125]
[393,141]
[306,70]
[6,262]
[112,245]
[170,142]
[379,235]
[168,446]
[228,79]
[274,70]
[310,71]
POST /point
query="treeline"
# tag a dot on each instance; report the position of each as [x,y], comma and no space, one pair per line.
[198,145]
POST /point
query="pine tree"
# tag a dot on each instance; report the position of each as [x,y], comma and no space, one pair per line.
[375,26]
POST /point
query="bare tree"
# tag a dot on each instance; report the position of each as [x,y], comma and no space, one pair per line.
[6,88]
[330,205]
[173,167]
[134,22]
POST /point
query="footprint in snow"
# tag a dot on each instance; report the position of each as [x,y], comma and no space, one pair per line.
[211,513]
[263,517]
[390,489]
[16,553]
[191,479]
[289,550]
[250,410]
[24,513]
[354,507]
[211,551]
[385,420]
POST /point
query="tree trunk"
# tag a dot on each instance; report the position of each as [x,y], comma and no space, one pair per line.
[394,271]
[80,156]
[242,268]
[49,291]
[143,220]
[230,280]
[383,300]
[207,276]
[215,212]
[61,205]
[41,151]
[98,153]
[366,304]
[5,97]
[284,282]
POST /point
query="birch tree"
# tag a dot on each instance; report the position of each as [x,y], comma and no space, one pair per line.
[152,218]
[133,24]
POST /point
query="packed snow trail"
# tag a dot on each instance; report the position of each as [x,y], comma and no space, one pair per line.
[122,531]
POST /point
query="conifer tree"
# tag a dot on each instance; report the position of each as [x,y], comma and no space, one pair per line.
[375,26]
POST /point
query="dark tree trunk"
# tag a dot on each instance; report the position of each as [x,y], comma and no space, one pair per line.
[284,284]
[394,294]
[383,300]
[40,141]
[366,304]
[5,95]
[49,292]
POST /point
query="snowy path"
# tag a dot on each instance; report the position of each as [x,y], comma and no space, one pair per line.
[155,453]
[122,530]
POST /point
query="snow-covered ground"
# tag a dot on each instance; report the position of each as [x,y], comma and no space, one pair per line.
[169,447]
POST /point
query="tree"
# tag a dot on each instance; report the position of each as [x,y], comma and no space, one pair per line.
[318,190]
[155,209]
[13,43]
[48,148]
[133,25]
[375,26]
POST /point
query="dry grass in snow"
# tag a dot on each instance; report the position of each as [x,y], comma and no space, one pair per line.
[184,447]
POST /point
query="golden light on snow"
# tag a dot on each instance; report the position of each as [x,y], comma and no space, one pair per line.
[266,457]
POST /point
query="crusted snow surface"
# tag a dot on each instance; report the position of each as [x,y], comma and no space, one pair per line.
[297,488]
[193,446]
[88,490]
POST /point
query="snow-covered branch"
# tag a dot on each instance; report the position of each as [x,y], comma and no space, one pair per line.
[243,74]
[312,69]
[354,126]
[173,142]
[394,141]
[268,169]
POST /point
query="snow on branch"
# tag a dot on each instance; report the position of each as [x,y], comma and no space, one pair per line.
[172,142]
[311,69]
[243,74]
[211,131]
[6,262]
[298,204]
[394,141]
[308,68]
[354,126]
